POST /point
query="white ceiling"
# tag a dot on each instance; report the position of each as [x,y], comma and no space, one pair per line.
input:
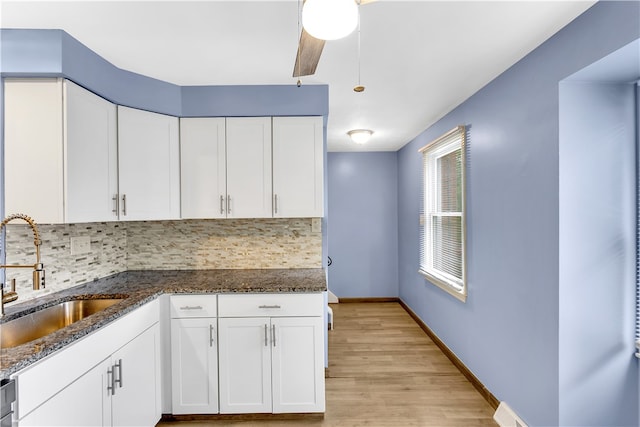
[419,59]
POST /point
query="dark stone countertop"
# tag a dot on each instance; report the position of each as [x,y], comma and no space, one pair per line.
[139,287]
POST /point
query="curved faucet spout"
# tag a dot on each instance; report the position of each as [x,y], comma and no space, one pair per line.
[38,268]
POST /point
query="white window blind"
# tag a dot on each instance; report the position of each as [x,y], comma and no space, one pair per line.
[442,220]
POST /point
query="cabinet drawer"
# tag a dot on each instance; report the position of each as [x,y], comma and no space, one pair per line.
[271,305]
[193,306]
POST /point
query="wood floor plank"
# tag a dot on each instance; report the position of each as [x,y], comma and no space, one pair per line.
[384,371]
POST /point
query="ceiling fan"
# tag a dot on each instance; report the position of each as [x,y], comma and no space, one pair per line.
[310,49]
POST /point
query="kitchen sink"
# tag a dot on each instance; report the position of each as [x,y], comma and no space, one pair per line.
[44,322]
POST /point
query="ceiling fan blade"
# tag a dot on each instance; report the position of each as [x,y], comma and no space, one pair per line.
[309,50]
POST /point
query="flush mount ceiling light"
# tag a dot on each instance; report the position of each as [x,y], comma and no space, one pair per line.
[360,136]
[329,19]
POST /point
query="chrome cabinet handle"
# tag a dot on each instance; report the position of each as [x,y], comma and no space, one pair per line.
[275,203]
[210,335]
[119,379]
[273,334]
[111,388]
[228,204]
[269,306]
[124,204]
[116,209]
[191,307]
[266,342]
[221,204]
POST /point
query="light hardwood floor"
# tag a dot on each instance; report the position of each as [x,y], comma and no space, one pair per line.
[384,371]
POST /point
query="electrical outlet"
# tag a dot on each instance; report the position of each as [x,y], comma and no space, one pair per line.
[80,245]
[316,225]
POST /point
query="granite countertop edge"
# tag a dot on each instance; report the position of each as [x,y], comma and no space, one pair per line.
[138,288]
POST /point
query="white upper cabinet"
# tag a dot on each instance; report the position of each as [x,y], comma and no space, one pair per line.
[203,168]
[60,152]
[298,167]
[92,156]
[149,165]
[253,167]
[71,156]
[249,191]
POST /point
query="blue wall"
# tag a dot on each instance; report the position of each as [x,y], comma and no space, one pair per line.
[363,226]
[507,331]
[597,254]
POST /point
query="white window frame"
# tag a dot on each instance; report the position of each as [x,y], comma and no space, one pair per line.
[448,143]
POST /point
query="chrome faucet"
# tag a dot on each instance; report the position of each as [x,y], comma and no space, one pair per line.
[38,268]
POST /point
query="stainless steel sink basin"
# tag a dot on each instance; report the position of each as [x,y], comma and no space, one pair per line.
[41,323]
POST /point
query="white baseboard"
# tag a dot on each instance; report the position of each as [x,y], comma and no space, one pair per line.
[333,299]
[505,417]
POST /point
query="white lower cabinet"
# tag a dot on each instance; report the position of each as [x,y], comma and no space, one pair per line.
[273,362]
[194,354]
[245,365]
[135,372]
[120,391]
[81,404]
[194,366]
[109,378]
[297,364]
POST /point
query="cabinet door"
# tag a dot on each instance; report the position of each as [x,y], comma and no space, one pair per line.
[194,366]
[297,364]
[203,168]
[136,398]
[91,148]
[298,159]
[85,402]
[33,157]
[245,365]
[249,188]
[149,165]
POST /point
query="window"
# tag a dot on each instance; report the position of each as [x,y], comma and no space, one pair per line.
[442,220]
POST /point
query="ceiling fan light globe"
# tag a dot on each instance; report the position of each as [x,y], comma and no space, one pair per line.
[329,19]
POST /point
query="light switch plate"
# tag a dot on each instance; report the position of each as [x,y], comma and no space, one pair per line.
[316,225]
[80,245]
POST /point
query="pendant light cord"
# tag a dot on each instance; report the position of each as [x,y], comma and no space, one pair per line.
[359,1]
[359,88]
[298,38]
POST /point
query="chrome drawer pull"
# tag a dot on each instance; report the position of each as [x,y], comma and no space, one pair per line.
[111,388]
[119,379]
[269,306]
[191,307]
[116,199]
[210,335]
[273,334]
[266,342]
[124,204]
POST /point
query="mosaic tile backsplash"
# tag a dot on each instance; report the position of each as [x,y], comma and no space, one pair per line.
[160,245]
